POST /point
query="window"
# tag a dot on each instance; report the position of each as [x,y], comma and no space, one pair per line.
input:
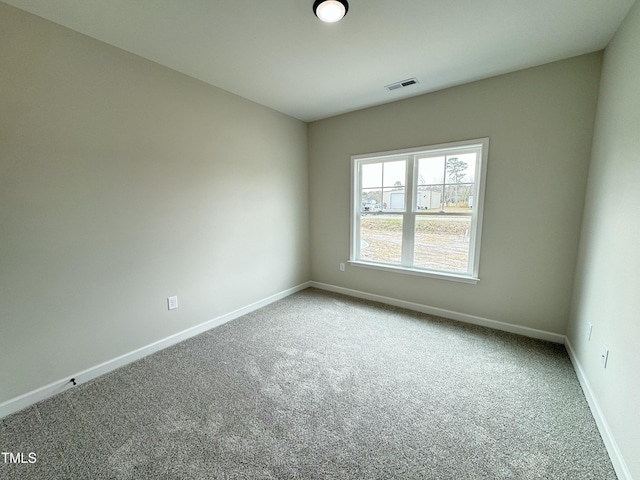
[420,210]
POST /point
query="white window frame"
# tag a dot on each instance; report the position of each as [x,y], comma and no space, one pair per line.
[411,212]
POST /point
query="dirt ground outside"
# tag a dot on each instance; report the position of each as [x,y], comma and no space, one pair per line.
[440,243]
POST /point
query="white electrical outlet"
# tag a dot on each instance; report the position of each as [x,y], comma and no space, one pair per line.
[605,356]
[342,267]
[172,303]
[589,329]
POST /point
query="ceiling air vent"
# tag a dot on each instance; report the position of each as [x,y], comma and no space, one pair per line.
[402,84]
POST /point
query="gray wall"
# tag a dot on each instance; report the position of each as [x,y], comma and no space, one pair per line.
[607,283]
[540,124]
[121,183]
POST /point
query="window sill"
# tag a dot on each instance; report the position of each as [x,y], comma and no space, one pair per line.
[414,271]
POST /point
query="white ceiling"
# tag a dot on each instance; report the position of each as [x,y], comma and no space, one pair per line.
[278,54]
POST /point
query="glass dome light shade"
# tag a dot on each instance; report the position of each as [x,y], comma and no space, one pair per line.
[330,11]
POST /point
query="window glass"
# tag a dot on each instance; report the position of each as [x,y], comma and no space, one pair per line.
[381,238]
[442,243]
[420,209]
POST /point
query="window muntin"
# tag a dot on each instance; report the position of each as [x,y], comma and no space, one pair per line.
[420,210]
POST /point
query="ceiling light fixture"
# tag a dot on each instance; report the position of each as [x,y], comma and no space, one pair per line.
[330,11]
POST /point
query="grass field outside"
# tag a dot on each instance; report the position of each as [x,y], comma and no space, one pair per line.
[441,243]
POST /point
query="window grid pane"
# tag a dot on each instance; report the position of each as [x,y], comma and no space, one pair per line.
[381,238]
[393,199]
[458,197]
[429,197]
[442,243]
[371,200]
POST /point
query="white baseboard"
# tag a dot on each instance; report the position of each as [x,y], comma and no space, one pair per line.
[462,317]
[619,465]
[23,401]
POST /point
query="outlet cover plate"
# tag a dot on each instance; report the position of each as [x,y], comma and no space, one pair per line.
[172,303]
